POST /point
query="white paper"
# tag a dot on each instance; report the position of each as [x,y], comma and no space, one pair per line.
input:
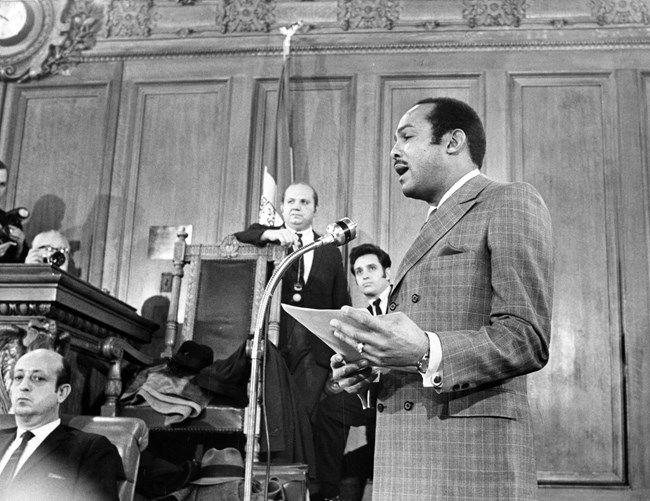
[318,322]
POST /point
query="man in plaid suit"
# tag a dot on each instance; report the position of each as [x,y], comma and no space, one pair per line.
[471,317]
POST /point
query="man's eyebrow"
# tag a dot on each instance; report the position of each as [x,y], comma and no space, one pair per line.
[401,129]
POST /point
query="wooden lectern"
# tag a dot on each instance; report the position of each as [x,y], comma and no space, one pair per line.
[98,329]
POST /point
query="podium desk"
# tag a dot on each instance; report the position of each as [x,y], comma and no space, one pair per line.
[95,328]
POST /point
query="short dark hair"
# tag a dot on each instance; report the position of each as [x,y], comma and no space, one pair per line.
[364,249]
[64,374]
[302,183]
[448,114]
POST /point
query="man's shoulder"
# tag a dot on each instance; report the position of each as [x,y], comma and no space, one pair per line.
[84,439]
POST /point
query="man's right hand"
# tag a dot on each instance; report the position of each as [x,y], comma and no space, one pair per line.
[4,247]
[284,236]
[353,377]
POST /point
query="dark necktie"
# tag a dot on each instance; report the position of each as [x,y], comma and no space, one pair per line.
[301,262]
[375,309]
[10,468]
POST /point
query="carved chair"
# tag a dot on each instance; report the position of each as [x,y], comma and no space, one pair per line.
[224,285]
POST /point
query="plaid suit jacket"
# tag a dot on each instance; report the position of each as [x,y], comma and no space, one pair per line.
[479,275]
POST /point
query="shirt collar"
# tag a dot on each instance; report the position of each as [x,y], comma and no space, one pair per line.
[383,295]
[457,185]
[307,235]
[42,431]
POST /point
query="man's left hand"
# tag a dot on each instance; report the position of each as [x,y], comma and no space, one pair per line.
[387,340]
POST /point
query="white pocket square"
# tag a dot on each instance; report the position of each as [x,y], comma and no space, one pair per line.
[54,475]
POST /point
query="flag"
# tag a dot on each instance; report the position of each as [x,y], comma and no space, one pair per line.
[279,172]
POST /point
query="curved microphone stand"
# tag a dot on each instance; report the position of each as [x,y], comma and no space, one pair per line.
[338,234]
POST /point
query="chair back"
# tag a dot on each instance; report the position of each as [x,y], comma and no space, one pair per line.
[225,285]
[129,435]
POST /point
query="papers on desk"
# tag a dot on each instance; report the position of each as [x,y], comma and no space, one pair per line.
[318,322]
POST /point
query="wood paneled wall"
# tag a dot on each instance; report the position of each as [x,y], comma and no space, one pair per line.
[120,146]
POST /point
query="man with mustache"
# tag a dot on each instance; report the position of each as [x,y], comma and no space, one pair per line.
[471,316]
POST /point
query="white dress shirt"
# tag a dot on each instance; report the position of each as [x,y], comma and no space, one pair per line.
[40,434]
[307,237]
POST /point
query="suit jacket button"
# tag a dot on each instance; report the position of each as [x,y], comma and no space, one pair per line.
[408,406]
[437,380]
[456,387]
[380,407]
[415,298]
[392,306]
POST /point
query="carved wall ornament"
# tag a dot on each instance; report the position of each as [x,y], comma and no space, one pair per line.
[129,18]
[367,14]
[245,16]
[494,13]
[620,12]
[84,20]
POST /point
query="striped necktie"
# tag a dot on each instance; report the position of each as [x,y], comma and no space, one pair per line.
[10,468]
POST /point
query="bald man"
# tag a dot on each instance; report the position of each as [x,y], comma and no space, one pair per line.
[56,462]
[45,245]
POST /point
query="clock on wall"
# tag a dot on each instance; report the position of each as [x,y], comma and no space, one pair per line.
[27,28]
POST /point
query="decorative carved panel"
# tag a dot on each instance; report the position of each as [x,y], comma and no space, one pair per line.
[620,11]
[129,18]
[245,16]
[367,14]
[494,13]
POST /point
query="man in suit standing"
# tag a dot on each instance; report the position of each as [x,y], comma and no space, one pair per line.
[339,412]
[472,303]
[316,281]
[43,459]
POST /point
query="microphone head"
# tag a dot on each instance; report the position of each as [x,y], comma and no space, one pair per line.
[342,231]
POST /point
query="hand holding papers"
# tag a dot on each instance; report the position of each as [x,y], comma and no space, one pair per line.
[318,322]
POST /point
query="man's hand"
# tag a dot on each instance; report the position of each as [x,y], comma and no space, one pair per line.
[284,236]
[36,256]
[353,377]
[388,340]
[4,247]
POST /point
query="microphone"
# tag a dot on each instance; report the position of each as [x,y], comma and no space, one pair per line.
[339,233]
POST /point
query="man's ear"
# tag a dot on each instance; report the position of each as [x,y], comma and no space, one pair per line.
[63,392]
[457,141]
[387,273]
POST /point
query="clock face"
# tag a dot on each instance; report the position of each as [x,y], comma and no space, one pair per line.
[16,20]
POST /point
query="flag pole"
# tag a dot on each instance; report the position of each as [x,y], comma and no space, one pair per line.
[251,419]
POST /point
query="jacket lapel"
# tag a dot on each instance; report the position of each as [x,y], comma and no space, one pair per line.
[316,262]
[45,449]
[440,222]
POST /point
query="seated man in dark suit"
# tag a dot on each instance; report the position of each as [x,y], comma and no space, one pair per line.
[43,459]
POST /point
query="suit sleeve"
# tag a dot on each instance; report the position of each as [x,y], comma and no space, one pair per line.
[516,339]
[100,470]
[253,234]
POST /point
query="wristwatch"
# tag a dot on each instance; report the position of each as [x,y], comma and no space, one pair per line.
[423,364]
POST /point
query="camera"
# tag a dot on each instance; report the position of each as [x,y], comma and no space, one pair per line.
[54,256]
[14,217]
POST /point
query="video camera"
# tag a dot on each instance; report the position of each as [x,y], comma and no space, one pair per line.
[14,217]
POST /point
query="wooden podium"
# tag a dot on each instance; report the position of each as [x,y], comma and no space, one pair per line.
[97,329]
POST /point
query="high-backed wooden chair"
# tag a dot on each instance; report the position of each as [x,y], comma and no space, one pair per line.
[222,290]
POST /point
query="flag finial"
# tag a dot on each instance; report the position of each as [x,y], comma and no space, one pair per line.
[288,32]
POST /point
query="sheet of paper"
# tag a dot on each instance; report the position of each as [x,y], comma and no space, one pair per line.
[318,322]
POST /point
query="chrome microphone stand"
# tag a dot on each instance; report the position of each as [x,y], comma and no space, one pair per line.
[338,234]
